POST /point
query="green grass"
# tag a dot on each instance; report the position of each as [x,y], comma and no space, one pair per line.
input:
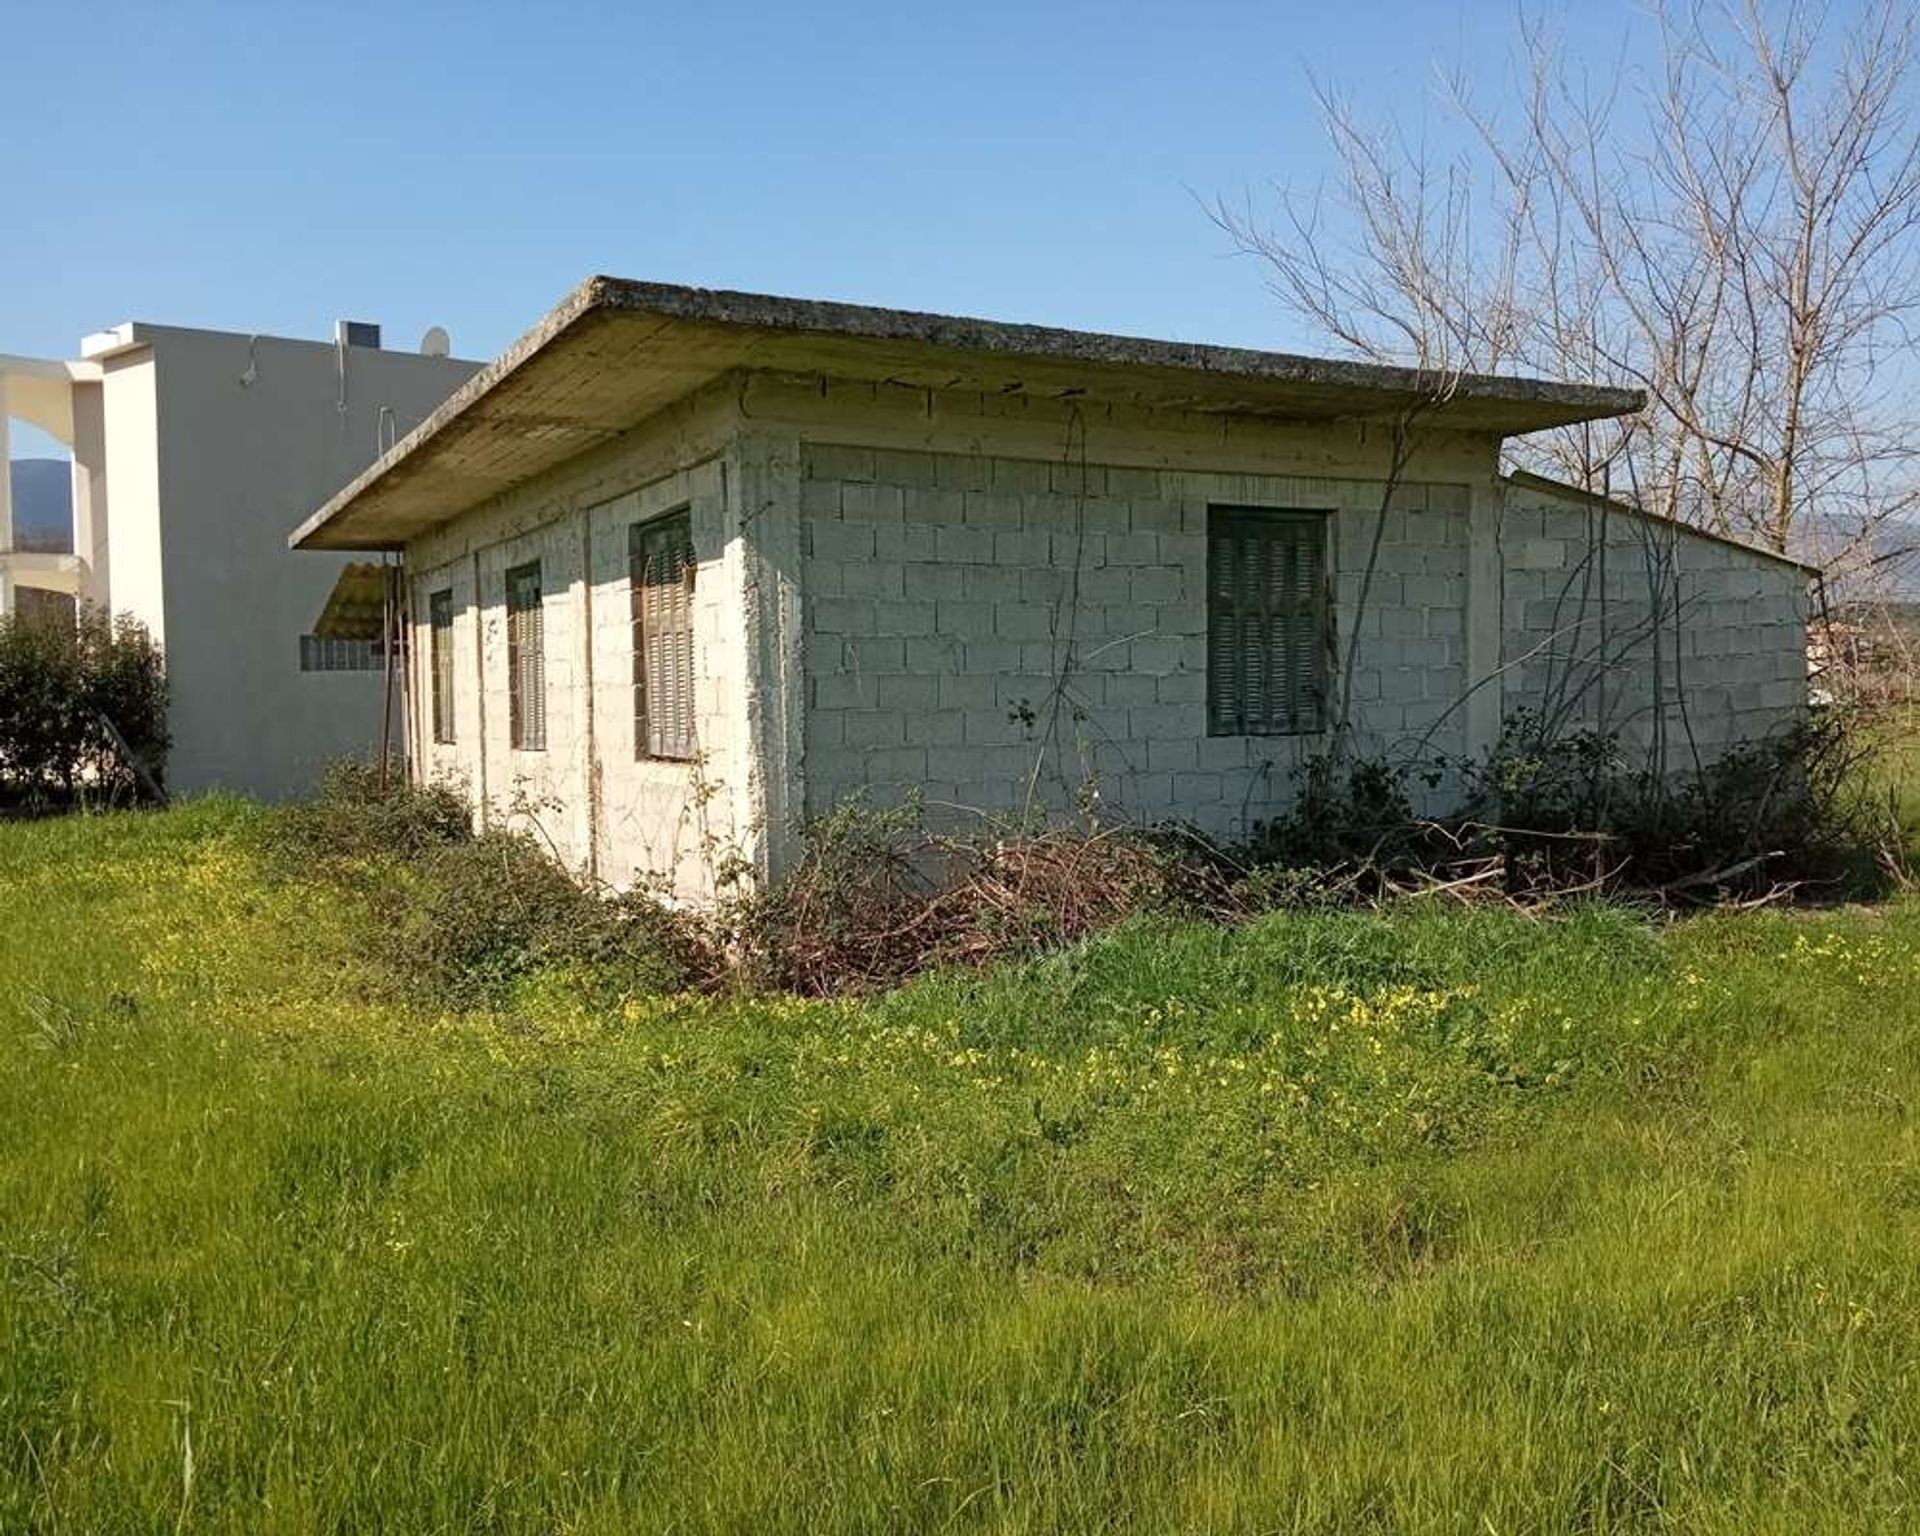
[1433,1221]
[1895,767]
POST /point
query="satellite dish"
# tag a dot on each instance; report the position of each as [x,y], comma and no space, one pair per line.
[436,343]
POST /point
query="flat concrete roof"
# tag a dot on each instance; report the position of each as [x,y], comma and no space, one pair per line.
[615,351]
[133,335]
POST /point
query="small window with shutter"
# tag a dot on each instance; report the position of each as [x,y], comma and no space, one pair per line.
[526,661]
[1269,639]
[440,653]
[661,565]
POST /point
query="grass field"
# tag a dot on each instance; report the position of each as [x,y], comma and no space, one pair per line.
[1432,1221]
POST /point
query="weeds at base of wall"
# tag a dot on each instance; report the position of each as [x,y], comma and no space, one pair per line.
[458,918]
[461,919]
[1548,816]
[875,899]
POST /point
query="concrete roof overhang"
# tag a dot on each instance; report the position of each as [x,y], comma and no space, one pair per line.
[616,351]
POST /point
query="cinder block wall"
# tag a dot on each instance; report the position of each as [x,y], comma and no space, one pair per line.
[1651,631]
[609,813]
[989,627]
[987,619]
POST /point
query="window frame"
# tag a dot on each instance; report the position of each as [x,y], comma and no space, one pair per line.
[526,659]
[322,654]
[1314,620]
[653,742]
[440,662]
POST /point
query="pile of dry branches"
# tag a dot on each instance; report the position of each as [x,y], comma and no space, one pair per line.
[1795,814]
[868,911]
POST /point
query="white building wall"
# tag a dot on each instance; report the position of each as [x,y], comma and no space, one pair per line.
[130,441]
[250,434]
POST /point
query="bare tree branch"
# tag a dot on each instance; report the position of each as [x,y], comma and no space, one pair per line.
[1739,237]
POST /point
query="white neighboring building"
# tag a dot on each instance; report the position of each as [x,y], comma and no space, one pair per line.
[194,452]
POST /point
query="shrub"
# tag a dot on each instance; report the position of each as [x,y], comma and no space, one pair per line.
[1795,807]
[477,916]
[853,901]
[1345,811]
[126,695]
[458,919]
[1791,808]
[83,711]
[1548,782]
[355,817]
[40,706]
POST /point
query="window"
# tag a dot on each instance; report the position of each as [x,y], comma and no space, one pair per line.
[661,567]
[1268,637]
[440,649]
[526,661]
[318,654]
[37,605]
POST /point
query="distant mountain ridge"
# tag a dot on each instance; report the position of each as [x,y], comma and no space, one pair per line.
[42,505]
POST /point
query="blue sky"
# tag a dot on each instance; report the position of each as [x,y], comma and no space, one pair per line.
[268,167]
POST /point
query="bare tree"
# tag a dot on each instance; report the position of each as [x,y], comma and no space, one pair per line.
[1739,236]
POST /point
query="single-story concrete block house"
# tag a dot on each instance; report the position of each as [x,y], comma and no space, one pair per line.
[684,568]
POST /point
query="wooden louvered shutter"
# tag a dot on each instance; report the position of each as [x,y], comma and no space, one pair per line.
[1267,632]
[526,660]
[440,654]
[661,568]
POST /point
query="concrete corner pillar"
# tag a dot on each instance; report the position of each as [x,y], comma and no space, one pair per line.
[763,474]
[1486,703]
[90,529]
[6,502]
